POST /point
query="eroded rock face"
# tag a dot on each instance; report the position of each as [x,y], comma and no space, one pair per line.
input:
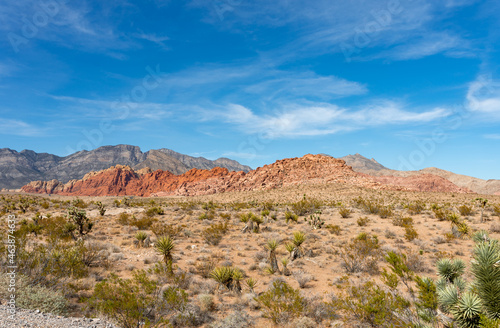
[309,169]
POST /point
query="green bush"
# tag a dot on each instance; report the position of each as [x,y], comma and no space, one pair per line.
[361,254]
[345,212]
[306,206]
[129,302]
[213,234]
[34,297]
[281,303]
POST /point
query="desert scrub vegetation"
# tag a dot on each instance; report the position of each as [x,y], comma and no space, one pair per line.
[306,206]
[141,302]
[281,303]
[214,233]
[361,254]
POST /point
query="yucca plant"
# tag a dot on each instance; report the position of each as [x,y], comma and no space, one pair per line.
[474,304]
[227,276]
[165,246]
[297,241]
[247,219]
[141,237]
[272,245]
[258,220]
[284,262]
[251,284]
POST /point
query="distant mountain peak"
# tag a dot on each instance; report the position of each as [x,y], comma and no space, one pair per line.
[20,168]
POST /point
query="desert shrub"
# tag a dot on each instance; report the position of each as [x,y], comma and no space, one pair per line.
[306,206]
[363,221]
[129,302]
[34,297]
[238,206]
[45,205]
[361,254]
[496,209]
[123,218]
[281,303]
[290,216]
[206,302]
[152,211]
[237,319]
[367,205]
[79,203]
[210,205]
[333,229]
[205,265]
[208,215]
[144,223]
[164,229]
[385,211]
[410,233]
[371,304]
[302,278]
[465,210]
[440,213]
[415,208]
[345,212]
[402,222]
[213,234]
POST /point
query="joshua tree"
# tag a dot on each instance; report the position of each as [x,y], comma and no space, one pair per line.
[482,202]
[101,208]
[477,303]
[247,219]
[78,221]
[272,245]
[297,241]
[165,246]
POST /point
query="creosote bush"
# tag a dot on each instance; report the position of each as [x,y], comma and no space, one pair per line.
[281,303]
[213,234]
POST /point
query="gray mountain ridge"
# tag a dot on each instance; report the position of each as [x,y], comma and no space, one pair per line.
[20,168]
[362,164]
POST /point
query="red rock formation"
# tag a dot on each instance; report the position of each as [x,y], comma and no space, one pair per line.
[422,182]
[309,169]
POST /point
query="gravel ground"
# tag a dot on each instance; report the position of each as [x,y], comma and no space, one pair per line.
[36,319]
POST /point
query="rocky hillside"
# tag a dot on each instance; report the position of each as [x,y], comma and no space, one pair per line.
[372,167]
[19,168]
[309,169]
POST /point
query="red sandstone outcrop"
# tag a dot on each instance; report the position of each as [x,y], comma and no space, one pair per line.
[309,169]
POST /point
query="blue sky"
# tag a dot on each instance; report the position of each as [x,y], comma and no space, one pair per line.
[411,83]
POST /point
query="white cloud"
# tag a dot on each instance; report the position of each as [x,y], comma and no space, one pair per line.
[483,96]
[18,128]
[321,119]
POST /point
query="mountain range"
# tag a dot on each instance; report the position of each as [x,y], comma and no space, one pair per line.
[19,168]
[362,164]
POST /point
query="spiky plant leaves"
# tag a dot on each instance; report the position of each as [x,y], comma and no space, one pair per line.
[165,246]
[289,247]
[486,270]
[480,236]
[448,297]
[468,310]
[298,238]
[450,269]
[272,245]
[223,275]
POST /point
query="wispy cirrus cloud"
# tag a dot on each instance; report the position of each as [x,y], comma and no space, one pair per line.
[316,119]
[19,128]
[483,97]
